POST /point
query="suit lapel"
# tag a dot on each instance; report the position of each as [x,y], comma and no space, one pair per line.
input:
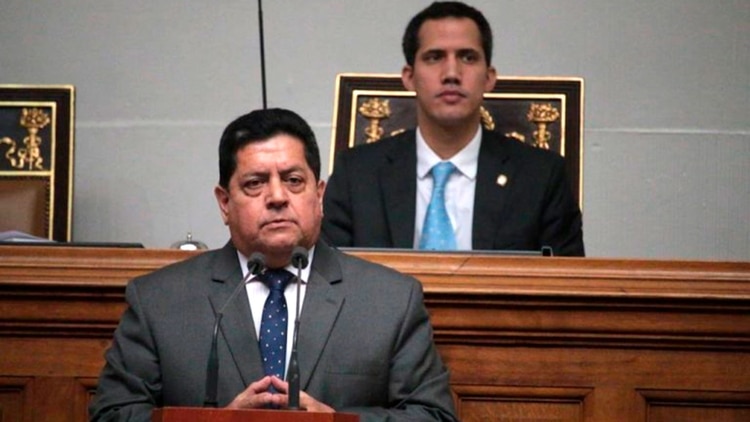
[321,308]
[399,188]
[490,195]
[236,325]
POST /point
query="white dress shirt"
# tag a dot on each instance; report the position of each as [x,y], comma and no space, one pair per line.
[459,190]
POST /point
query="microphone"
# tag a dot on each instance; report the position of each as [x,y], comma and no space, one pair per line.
[256,264]
[547,251]
[299,261]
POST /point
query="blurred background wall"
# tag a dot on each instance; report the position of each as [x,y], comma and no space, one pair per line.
[667,97]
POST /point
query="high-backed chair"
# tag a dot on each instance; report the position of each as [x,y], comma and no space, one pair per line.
[546,112]
[36,160]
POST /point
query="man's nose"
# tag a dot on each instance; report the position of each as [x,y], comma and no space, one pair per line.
[451,70]
[277,194]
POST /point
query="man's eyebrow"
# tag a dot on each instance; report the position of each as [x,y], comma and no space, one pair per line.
[256,170]
[433,51]
[292,169]
[469,50]
[443,51]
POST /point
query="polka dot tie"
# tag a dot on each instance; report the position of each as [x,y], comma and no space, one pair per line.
[437,231]
[273,325]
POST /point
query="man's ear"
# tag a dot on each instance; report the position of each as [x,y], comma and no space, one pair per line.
[222,198]
[491,79]
[321,191]
[407,77]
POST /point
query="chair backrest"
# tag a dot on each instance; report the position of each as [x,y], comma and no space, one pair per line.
[36,160]
[23,206]
[546,112]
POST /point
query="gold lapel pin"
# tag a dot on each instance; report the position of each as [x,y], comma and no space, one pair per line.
[502,180]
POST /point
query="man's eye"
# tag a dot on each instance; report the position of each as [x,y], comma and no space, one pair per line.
[470,58]
[295,183]
[431,57]
[252,184]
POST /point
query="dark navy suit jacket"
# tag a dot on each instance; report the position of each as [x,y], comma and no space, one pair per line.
[370,200]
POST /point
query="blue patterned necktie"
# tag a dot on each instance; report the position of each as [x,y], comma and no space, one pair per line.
[437,231]
[273,325]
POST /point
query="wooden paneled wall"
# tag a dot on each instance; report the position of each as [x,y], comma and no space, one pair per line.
[525,338]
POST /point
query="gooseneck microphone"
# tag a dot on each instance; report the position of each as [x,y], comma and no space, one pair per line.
[256,264]
[299,261]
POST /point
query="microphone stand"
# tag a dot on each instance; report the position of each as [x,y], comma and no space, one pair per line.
[255,265]
[299,261]
[262,54]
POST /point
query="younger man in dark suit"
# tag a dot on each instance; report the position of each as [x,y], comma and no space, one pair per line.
[365,339]
[498,193]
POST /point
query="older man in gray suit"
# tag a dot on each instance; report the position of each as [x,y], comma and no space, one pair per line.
[365,340]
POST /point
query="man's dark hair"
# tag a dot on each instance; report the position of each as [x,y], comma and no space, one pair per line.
[441,10]
[260,125]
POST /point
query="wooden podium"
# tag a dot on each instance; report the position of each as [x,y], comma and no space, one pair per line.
[199,414]
[525,338]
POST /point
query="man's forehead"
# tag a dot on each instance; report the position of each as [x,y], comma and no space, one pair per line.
[279,138]
[262,163]
[276,145]
[273,151]
[445,32]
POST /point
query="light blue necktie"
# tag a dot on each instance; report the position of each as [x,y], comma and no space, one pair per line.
[437,231]
[273,325]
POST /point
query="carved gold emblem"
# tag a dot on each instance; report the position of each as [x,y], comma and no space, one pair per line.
[30,155]
[542,115]
[374,110]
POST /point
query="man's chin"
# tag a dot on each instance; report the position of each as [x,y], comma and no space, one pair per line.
[281,246]
[281,243]
[452,117]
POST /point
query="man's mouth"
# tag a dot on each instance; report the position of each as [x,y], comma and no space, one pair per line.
[278,222]
[451,96]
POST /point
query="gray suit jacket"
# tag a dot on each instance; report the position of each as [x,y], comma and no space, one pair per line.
[365,341]
[370,199]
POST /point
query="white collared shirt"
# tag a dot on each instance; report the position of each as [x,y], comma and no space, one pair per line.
[257,292]
[459,190]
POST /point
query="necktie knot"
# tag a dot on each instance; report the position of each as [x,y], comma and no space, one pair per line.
[276,280]
[440,173]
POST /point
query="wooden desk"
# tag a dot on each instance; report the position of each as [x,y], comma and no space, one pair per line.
[525,338]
